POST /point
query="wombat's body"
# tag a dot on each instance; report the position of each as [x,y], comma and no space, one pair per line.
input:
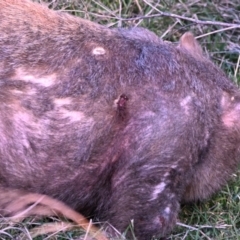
[115,123]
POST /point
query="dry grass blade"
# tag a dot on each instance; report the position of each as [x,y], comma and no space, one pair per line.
[160,14]
[48,228]
[19,205]
[237,66]
[193,228]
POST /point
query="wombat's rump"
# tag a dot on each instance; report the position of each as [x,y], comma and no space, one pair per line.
[115,123]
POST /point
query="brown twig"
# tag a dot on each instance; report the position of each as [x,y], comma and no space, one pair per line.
[166,14]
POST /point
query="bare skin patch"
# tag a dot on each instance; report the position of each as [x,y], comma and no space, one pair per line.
[230,118]
[98,51]
[231,110]
[73,116]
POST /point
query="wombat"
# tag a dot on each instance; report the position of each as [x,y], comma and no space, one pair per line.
[116,123]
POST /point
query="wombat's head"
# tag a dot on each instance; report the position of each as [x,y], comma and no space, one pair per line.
[222,154]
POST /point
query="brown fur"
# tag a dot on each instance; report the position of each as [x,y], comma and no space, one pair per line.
[116,123]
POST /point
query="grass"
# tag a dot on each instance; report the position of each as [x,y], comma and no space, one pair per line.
[219,217]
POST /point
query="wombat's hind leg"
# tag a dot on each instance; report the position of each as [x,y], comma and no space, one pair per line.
[150,207]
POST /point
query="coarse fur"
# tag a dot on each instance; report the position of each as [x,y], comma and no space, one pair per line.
[116,123]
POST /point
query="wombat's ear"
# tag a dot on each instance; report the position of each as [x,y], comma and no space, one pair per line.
[188,42]
[231,110]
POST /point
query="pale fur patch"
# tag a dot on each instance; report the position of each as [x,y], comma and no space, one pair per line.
[158,189]
[185,104]
[167,210]
[60,102]
[29,91]
[45,81]
[73,116]
[230,118]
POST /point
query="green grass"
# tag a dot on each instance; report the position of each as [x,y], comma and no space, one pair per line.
[219,217]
